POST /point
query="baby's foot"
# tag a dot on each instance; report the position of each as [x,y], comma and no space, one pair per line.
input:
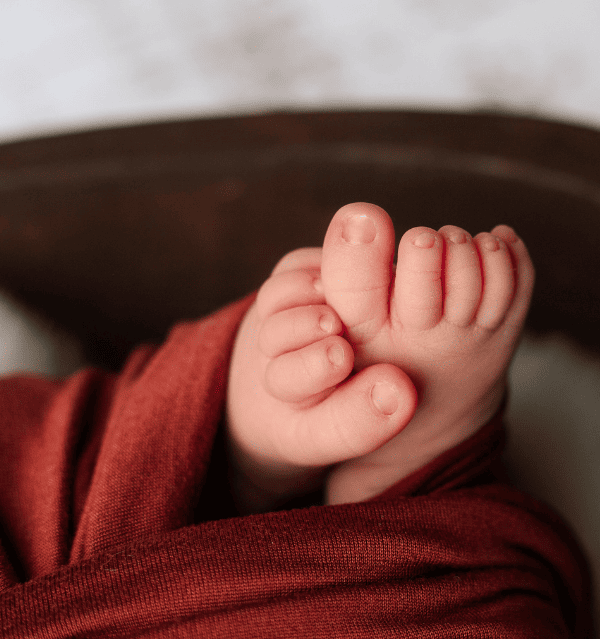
[449,316]
[290,415]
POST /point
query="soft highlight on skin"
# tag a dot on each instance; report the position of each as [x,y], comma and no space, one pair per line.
[422,353]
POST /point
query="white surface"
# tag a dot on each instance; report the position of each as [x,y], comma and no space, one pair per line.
[69,64]
[72,64]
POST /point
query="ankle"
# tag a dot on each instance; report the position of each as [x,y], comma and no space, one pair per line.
[260,486]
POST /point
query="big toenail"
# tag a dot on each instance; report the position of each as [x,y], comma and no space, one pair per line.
[359,229]
[425,240]
[336,355]
[385,398]
[491,244]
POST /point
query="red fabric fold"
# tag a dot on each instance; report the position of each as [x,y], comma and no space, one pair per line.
[100,481]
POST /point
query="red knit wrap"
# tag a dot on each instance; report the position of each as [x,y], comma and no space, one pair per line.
[102,531]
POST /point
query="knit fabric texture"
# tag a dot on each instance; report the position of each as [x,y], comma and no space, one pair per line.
[105,527]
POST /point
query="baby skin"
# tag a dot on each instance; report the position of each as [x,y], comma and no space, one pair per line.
[351,372]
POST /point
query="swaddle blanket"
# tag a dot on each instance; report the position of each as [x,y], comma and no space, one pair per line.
[114,523]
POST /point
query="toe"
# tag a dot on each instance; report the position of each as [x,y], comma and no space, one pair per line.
[358,417]
[524,275]
[288,289]
[417,297]
[462,276]
[300,259]
[356,268]
[296,328]
[300,375]
[498,281]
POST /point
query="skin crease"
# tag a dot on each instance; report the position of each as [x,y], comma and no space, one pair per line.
[412,360]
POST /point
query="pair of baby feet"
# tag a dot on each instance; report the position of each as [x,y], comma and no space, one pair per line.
[352,372]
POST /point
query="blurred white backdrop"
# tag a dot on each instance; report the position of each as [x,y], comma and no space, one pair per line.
[68,65]
[72,64]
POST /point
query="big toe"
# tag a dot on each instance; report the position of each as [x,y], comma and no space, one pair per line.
[360,416]
[356,268]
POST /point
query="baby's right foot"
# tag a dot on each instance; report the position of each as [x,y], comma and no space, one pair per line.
[449,316]
[291,411]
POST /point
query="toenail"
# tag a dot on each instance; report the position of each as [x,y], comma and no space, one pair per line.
[336,355]
[491,244]
[359,229]
[385,397]
[458,238]
[326,324]
[425,240]
[318,284]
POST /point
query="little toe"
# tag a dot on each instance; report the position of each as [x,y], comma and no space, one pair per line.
[356,268]
[300,375]
[288,289]
[462,276]
[295,328]
[524,274]
[417,301]
[498,281]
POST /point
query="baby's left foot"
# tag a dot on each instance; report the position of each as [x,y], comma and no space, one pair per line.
[290,414]
[449,315]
